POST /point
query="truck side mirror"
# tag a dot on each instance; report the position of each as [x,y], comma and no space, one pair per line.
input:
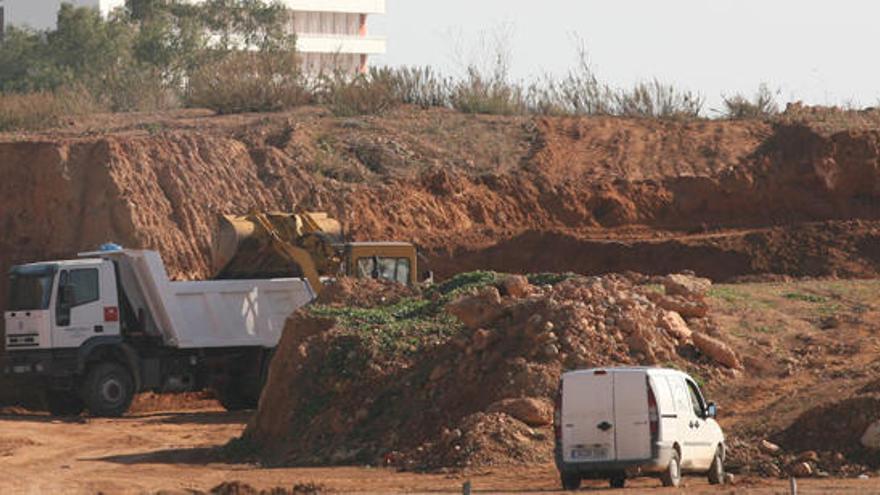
[67,296]
[711,410]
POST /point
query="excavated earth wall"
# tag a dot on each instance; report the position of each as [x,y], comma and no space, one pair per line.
[513,194]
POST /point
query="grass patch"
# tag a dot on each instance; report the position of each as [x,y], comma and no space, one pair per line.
[549,278]
[800,296]
[729,294]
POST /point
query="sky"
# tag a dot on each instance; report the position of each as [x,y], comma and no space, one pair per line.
[818,51]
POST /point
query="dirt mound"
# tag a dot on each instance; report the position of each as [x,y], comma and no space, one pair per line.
[456,376]
[365,293]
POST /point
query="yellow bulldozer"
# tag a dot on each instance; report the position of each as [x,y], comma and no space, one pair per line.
[309,245]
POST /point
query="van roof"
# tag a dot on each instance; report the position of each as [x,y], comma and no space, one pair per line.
[612,369]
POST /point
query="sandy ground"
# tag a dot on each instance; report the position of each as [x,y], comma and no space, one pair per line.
[172,451]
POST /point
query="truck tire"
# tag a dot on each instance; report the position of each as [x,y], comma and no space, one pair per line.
[716,472]
[64,403]
[672,475]
[570,481]
[618,482]
[108,390]
[234,396]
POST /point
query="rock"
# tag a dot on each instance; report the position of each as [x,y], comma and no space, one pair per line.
[871,436]
[800,470]
[863,477]
[673,323]
[681,305]
[717,350]
[808,456]
[769,448]
[482,339]
[550,351]
[729,479]
[531,411]
[688,286]
[517,286]
[477,310]
[770,469]
[438,372]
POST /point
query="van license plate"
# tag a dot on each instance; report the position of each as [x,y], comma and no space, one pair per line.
[592,453]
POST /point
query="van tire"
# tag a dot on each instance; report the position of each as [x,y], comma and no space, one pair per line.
[672,475]
[64,403]
[571,481]
[618,482]
[108,390]
[716,472]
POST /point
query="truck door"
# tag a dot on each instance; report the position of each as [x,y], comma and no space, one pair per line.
[631,420]
[85,303]
[588,417]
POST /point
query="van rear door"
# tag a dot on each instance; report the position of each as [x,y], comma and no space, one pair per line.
[632,425]
[588,417]
[605,416]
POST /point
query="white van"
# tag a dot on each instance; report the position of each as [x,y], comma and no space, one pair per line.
[614,423]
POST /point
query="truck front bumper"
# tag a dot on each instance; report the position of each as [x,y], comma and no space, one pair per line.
[38,363]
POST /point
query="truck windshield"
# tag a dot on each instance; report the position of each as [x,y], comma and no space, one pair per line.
[30,287]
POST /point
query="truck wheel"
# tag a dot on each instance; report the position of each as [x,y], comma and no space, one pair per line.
[672,475]
[618,482]
[64,403]
[108,390]
[233,397]
[571,481]
[716,472]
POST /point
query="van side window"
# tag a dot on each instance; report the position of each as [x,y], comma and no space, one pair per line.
[680,395]
[696,399]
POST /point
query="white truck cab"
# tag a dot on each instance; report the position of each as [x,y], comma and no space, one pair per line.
[615,423]
[91,332]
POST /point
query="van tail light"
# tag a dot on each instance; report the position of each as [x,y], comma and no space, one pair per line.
[653,416]
[557,414]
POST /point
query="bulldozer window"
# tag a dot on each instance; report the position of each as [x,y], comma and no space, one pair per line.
[394,269]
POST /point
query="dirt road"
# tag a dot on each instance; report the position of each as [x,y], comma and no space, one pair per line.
[175,452]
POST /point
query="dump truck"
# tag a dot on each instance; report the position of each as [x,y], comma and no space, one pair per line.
[309,245]
[93,331]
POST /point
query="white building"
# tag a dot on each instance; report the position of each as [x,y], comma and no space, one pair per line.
[331,34]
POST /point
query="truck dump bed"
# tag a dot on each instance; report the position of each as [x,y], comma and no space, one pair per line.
[202,314]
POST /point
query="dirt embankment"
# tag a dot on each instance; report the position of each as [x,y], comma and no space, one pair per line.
[464,375]
[475,192]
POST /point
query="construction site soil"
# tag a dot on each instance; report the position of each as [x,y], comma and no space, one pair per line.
[375,375]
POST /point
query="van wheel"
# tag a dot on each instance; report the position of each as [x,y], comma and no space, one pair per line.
[64,403]
[716,472]
[571,481]
[618,482]
[108,390]
[672,475]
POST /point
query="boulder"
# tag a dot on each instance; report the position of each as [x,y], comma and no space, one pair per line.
[688,286]
[482,339]
[517,286]
[800,470]
[871,437]
[769,448]
[531,411]
[477,310]
[673,323]
[684,307]
[717,350]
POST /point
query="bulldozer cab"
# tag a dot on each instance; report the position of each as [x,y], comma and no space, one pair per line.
[394,261]
[309,244]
